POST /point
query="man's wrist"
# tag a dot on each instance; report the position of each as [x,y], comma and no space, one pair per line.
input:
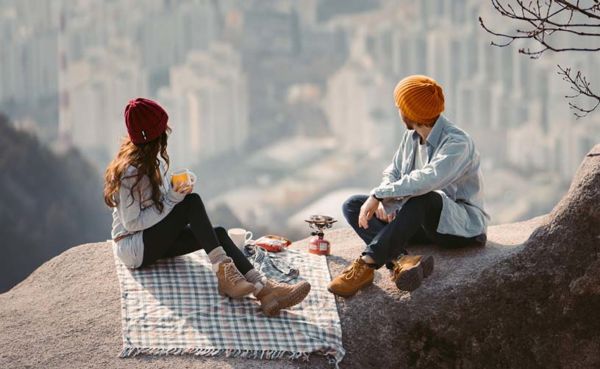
[373,194]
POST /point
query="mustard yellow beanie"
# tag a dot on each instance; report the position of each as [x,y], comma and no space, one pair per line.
[420,98]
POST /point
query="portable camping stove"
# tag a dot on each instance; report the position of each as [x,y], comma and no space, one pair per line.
[318,244]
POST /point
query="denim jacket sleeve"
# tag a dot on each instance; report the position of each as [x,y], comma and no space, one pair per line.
[392,172]
[448,164]
[133,216]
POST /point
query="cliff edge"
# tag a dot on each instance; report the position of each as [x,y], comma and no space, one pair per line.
[529,299]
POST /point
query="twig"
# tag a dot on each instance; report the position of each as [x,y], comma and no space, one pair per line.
[544,19]
[581,87]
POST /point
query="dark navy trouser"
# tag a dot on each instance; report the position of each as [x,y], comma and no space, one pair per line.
[416,222]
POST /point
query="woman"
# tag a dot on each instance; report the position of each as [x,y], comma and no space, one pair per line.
[153,219]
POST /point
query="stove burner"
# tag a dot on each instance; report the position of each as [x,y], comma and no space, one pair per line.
[320,221]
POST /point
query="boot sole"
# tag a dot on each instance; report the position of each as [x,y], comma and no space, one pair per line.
[410,279]
[350,294]
[273,307]
[241,294]
[427,266]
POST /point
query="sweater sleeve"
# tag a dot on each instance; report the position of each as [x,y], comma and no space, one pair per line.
[133,216]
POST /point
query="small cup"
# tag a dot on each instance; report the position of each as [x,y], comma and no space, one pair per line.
[239,236]
[183,177]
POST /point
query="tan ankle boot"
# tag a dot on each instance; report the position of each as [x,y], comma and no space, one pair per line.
[356,276]
[231,282]
[409,271]
[275,296]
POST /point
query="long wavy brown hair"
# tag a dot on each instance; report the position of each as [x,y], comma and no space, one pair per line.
[145,158]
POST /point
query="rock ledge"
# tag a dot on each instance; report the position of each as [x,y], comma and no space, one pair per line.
[529,299]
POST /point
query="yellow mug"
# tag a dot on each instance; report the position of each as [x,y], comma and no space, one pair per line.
[183,177]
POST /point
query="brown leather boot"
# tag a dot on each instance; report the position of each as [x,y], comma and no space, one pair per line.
[356,276]
[231,282]
[275,296]
[409,271]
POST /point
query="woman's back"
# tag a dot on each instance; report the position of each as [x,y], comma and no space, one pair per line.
[126,225]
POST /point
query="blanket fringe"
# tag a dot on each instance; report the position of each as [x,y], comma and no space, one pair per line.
[129,351]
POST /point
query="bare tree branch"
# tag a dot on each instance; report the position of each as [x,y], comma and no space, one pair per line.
[581,87]
[543,20]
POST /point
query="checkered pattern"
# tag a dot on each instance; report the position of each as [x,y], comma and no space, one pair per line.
[173,307]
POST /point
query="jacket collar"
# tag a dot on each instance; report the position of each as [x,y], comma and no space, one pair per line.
[436,132]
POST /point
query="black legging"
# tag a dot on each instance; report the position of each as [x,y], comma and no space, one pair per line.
[186,229]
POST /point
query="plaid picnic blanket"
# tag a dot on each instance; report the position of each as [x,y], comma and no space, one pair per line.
[173,307]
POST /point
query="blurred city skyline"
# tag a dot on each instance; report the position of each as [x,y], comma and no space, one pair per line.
[284,108]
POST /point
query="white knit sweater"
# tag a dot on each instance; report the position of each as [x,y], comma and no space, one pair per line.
[131,218]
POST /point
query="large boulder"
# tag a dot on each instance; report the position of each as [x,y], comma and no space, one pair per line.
[529,299]
[377,320]
[537,308]
[508,305]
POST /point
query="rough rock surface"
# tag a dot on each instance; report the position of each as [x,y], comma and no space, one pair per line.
[537,308]
[529,299]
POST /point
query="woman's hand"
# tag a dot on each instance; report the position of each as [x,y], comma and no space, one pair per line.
[367,210]
[183,188]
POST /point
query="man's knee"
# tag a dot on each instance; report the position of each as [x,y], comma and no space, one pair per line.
[429,198]
[353,203]
[426,207]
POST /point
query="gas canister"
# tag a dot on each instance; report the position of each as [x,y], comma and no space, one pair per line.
[318,244]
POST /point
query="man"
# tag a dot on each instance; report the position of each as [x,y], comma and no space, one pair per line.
[431,192]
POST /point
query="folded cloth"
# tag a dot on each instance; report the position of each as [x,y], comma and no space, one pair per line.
[173,307]
[276,265]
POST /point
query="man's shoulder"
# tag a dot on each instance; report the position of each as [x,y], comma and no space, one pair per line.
[406,138]
[456,134]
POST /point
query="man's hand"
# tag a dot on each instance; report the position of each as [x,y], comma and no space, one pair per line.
[382,215]
[367,210]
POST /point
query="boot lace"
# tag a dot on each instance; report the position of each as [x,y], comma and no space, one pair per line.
[233,274]
[354,270]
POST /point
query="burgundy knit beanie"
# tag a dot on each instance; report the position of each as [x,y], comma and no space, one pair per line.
[145,120]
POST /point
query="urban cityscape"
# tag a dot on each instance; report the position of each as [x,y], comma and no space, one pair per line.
[284,108]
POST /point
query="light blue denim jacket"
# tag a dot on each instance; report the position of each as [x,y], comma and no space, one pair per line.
[452,170]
